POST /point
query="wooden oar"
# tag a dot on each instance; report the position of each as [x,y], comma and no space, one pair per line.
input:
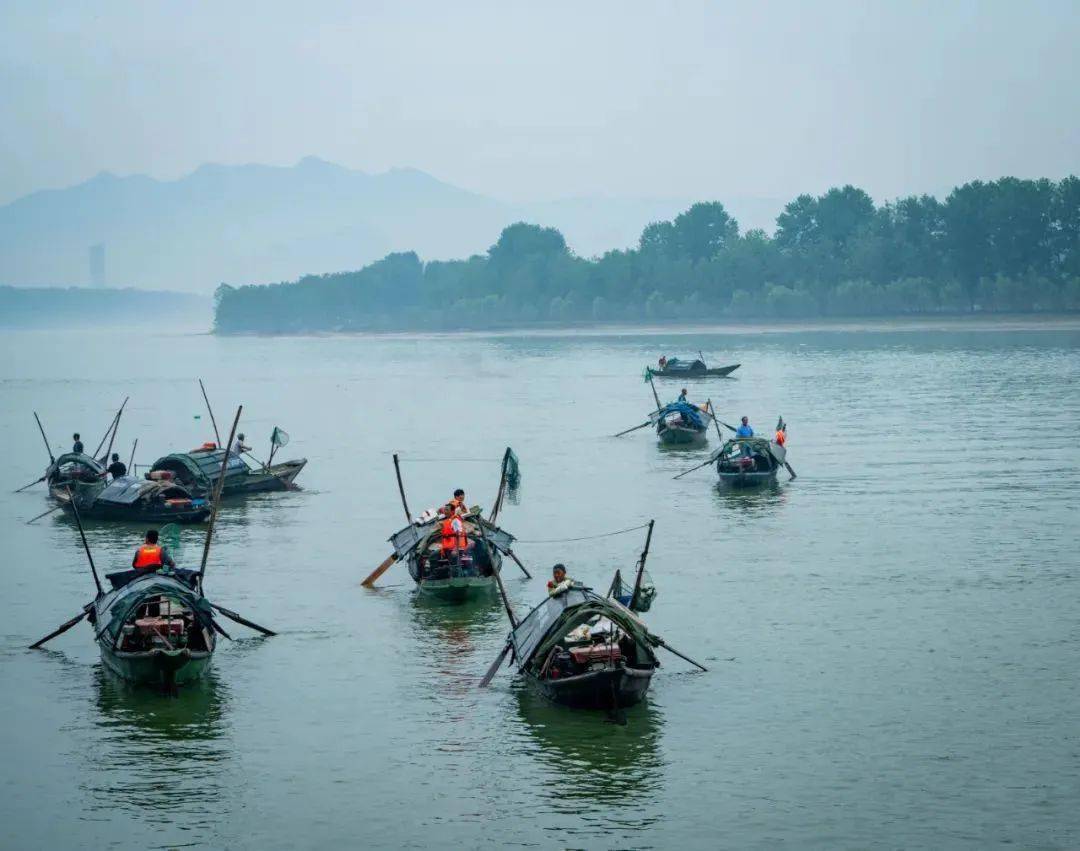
[233,616]
[490,675]
[498,579]
[43,513]
[657,640]
[379,571]
[24,487]
[213,422]
[517,561]
[635,428]
[654,393]
[62,629]
[698,467]
[43,437]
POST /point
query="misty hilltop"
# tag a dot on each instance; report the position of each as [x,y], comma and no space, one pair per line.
[263,223]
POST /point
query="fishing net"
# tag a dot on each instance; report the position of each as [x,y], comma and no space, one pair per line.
[169,537]
[279,437]
[624,592]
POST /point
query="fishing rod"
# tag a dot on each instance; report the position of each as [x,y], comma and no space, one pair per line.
[82,534]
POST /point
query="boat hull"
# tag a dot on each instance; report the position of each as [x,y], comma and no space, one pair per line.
[157,667]
[747,480]
[136,512]
[610,688]
[458,589]
[682,436]
[280,477]
[716,372]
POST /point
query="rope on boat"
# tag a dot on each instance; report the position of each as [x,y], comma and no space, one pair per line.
[405,460]
[585,538]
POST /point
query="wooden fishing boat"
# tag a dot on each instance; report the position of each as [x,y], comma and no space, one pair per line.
[79,477]
[154,626]
[681,424]
[587,651]
[677,368]
[745,462]
[199,470]
[458,575]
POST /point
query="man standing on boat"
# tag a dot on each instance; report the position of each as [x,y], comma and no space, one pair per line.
[77,447]
[238,447]
[117,468]
[682,396]
[744,429]
[151,555]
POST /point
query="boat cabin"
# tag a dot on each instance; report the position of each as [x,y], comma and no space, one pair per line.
[199,470]
[75,468]
[746,455]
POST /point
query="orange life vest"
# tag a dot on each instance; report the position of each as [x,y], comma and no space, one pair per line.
[781,438]
[452,539]
[149,555]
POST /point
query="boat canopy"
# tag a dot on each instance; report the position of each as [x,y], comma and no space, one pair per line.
[125,490]
[744,445]
[677,365]
[76,458]
[414,534]
[557,615]
[690,413]
[203,467]
[121,602]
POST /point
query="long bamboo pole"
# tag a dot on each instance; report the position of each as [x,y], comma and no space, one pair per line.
[213,422]
[217,498]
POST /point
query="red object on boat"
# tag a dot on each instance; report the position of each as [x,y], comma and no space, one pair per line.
[596,653]
[160,475]
[162,626]
[178,502]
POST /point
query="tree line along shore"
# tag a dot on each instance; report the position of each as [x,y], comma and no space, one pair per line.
[1003,246]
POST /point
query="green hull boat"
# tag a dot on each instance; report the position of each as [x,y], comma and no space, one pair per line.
[458,589]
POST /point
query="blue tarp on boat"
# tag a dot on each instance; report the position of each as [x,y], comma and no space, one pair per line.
[691,414]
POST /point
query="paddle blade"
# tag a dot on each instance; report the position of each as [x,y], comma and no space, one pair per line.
[62,629]
[490,675]
[786,464]
[379,571]
[233,616]
[635,428]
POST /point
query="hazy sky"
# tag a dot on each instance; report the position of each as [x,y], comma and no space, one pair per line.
[530,101]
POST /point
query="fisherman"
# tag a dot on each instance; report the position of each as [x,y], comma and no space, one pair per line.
[117,468]
[453,536]
[682,396]
[456,506]
[78,447]
[151,555]
[662,361]
[559,581]
[744,429]
[238,446]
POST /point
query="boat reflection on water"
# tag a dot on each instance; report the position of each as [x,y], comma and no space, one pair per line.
[161,759]
[451,639]
[765,499]
[591,759]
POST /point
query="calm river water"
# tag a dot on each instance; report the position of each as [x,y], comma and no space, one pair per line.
[893,638]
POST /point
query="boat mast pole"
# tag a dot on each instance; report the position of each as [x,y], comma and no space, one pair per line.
[401,489]
[217,498]
[712,413]
[641,567]
[213,422]
[116,428]
[654,393]
[43,437]
[82,534]
[111,427]
[502,486]
[131,461]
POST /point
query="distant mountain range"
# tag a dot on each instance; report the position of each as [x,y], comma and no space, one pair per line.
[257,224]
